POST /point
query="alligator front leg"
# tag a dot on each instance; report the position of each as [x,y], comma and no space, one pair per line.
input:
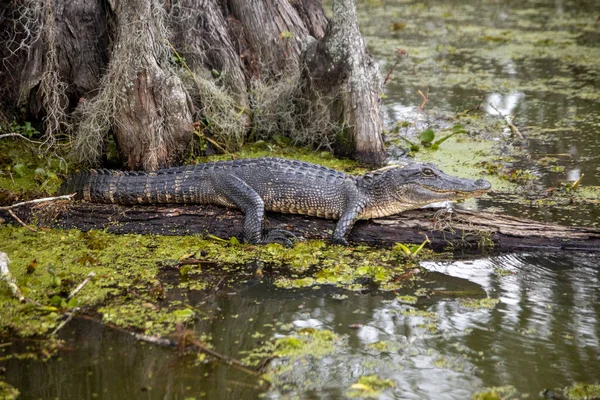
[345,223]
[252,205]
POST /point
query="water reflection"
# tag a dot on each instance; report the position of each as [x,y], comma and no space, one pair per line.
[535,62]
[545,330]
[543,333]
[502,105]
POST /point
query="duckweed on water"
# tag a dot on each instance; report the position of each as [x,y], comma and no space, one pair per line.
[497,393]
[8,392]
[127,289]
[302,344]
[579,391]
[475,304]
[369,386]
[54,262]
[341,266]
[382,347]
[407,299]
[582,391]
[294,358]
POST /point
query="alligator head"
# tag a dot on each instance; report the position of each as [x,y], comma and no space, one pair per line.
[397,188]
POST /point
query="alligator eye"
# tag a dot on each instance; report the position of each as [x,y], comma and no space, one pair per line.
[427,172]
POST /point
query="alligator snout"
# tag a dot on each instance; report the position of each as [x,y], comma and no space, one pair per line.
[482,184]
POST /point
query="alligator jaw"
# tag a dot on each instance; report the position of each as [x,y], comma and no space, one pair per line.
[395,189]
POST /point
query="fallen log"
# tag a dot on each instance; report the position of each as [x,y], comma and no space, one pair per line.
[457,230]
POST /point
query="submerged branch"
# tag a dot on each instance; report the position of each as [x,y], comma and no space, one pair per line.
[511,126]
[194,344]
[66,321]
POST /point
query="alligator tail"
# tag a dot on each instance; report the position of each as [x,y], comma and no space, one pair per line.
[118,187]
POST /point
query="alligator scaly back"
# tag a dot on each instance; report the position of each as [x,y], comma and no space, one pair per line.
[193,184]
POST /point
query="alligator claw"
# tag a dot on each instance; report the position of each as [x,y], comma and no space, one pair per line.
[281,236]
[341,241]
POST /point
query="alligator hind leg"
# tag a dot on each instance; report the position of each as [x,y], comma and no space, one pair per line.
[252,205]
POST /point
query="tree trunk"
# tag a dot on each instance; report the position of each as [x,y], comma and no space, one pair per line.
[458,231]
[146,71]
[54,54]
[339,67]
[154,121]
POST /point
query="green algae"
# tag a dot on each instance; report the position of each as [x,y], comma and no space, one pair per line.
[126,268]
[382,347]
[128,288]
[301,344]
[468,158]
[369,386]
[307,342]
[582,391]
[8,392]
[407,299]
[340,266]
[145,317]
[290,355]
[524,65]
[496,393]
[413,312]
[433,52]
[476,304]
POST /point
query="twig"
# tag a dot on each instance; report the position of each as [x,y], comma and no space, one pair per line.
[12,214]
[10,280]
[575,184]
[422,105]
[35,201]
[199,346]
[399,54]
[424,96]
[199,133]
[14,134]
[510,125]
[71,315]
[81,285]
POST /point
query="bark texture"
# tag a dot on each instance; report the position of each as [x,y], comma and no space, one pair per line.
[154,122]
[53,53]
[339,67]
[200,33]
[81,45]
[459,231]
[147,71]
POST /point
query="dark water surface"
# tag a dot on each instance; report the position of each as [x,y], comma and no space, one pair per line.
[543,333]
[538,61]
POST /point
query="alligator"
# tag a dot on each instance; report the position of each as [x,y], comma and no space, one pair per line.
[280,185]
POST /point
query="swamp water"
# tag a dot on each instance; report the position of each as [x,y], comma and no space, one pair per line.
[543,332]
[529,321]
